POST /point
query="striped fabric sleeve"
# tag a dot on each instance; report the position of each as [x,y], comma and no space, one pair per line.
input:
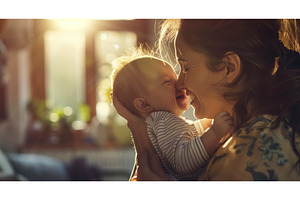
[190,155]
[199,127]
[176,138]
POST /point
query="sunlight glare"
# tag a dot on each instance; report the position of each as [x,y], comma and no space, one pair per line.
[79,125]
[72,24]
[103,36]
[116,46]
[109,57]
[54,117]
[68,111]
[102,111]
[227,142]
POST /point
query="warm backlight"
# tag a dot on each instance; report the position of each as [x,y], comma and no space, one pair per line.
[72,24]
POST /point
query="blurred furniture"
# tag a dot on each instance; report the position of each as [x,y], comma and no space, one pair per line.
[113,164]
[6,170]
[67,165]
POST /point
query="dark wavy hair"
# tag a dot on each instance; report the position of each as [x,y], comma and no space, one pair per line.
[270,62]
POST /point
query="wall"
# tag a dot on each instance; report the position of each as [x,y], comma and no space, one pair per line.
[15,36]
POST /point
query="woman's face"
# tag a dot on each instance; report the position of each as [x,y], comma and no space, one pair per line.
[205,87]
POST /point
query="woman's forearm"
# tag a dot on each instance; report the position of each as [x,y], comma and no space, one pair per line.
[137,126]
[140,136]
[149,166]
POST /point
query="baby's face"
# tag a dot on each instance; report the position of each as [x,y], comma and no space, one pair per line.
[161,91]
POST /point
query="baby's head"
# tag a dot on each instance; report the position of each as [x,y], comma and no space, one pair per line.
[144,84]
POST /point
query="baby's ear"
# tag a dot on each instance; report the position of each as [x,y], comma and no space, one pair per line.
[141,105]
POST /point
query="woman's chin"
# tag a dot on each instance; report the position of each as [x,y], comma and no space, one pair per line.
[197,114]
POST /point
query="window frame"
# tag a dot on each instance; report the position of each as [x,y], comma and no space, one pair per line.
[141,27]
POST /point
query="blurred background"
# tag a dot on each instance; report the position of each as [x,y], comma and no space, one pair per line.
[57,121]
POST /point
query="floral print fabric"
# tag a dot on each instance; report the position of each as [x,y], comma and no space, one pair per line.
[256,151]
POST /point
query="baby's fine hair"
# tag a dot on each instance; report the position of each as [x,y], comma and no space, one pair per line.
[132,55]
[127,81]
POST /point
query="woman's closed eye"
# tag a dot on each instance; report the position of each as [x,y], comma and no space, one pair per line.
[187,67]
[183,67]
[184,70]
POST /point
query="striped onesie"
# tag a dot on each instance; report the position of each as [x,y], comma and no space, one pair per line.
[178,145]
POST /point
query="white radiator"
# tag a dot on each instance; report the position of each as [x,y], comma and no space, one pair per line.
[118,161]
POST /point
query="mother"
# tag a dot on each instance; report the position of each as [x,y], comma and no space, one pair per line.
[242,67]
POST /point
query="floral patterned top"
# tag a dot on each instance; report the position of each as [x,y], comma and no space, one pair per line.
[256,152]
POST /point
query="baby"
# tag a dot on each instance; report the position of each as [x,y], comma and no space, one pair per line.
[145,85]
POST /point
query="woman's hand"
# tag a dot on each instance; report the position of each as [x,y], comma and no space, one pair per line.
[149,168]
[124,112]
[137,126]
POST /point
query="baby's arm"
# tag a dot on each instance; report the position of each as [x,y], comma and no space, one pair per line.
[193,152]
[175,139]
[179,146]
[222,126]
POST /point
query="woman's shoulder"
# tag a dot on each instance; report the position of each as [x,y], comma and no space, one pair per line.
[262,121]
[260,150]
[266,124]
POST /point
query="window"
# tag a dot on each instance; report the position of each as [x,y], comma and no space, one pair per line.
[65,70]
[109,45]
[70,78]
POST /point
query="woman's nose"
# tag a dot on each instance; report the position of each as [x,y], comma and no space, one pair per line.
[180,83]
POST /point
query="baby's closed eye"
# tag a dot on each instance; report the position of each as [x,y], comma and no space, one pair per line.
[167,82]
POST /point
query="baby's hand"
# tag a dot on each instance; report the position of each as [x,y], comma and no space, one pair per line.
[222,125]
